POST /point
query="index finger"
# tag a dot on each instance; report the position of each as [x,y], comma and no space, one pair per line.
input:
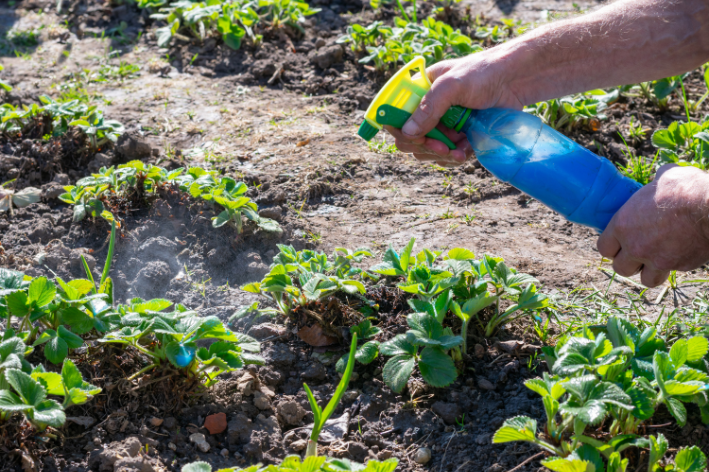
[608,245]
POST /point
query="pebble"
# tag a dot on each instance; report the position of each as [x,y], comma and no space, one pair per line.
[479,351]
[485,384]
[299,445]
[200,441]
[225,453]
[172,446]
[423,455]
[155,422]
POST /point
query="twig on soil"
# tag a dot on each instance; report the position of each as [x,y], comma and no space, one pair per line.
[527,461]
[621,279]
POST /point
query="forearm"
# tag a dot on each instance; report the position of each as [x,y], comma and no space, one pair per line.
[626,42]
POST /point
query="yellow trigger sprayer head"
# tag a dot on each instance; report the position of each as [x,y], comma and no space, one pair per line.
[400,97]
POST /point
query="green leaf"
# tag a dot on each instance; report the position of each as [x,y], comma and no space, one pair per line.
[697,348]
[437,368]
[664,139]
[677,410]
[51,381]
[18,304]
[397,371]
[29,390]
[678,353]
[658,448]
[56,350]
[398,345]
[519,428]
[589,453]
[460,254]
[197,467]
[691,459]
[558,464]
[41,291]
[48,413]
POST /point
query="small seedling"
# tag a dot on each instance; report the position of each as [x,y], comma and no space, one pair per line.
[320,415]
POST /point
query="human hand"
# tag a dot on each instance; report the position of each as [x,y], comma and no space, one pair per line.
[663,227]
[475,81]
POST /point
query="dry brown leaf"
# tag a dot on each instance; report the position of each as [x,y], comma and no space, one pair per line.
[314,336]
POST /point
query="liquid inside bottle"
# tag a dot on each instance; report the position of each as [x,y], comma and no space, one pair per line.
[518,148]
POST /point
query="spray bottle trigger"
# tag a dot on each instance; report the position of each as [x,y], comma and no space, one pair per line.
[392,116]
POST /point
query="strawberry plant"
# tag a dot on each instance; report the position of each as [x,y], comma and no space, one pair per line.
[92,196]
[367,352]
[614,372]
[29,397]
[299,277]
[172,337]
[425,345]
[14,120]
[69,384]
[309,464]
[232,20]
[684,143]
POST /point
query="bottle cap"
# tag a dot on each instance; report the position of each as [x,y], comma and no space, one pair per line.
[367,131]
[453,116]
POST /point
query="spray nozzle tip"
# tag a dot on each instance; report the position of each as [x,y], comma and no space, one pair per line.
[367,131]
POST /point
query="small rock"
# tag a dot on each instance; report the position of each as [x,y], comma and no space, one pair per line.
[299,445]
[326,56]
[99,160]
[479,351]
[225,453]
[216,423]
[171,446]
[61,179]
[170,422]
[133,147]
[200,442]
[384,455]
[423,455]
[156,422]
[315,371]
[495,468]
[485,384]
[274,213]
[52,191]
[267,330]
[449,412]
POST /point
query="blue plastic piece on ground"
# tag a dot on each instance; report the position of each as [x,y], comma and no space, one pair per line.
[185,356]
[518,148]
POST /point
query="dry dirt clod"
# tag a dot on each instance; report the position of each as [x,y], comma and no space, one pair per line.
[423,455]
[215,423]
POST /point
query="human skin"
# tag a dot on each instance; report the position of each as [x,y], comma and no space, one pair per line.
[664,225]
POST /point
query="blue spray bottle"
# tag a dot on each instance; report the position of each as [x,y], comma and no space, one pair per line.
[515,147]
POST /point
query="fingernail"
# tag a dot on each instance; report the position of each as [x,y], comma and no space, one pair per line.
[411,128]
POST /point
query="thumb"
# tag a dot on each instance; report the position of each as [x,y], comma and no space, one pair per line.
[435,103]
